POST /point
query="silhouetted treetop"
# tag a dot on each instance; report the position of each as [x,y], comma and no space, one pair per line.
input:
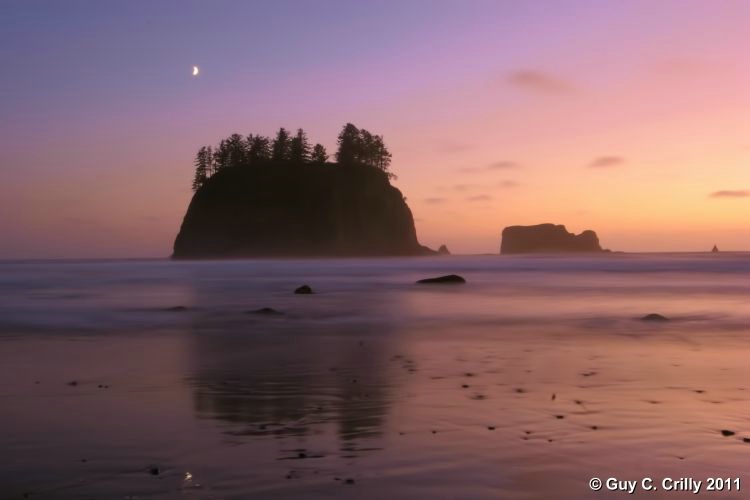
[319,154]
[355,147]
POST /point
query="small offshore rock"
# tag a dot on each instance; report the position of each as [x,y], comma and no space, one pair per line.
[303,290]
[447,279]
[154,471]
[443,250]
[176,309]
[654,317]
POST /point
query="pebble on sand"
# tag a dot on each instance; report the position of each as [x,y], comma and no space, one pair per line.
[447,279]
[154,471]
[727,433]
[654,317]
[303,290]
[269,311]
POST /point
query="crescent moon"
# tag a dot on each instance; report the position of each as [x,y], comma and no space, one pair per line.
[196,70]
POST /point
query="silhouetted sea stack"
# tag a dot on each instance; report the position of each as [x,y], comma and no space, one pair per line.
[547,238]
[443,250]
[297,209]
[715,249]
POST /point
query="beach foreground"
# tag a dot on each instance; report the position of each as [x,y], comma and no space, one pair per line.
[158,379]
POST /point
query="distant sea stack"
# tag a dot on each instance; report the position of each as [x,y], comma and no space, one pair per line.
[289,209]
[715,249]
[547,238]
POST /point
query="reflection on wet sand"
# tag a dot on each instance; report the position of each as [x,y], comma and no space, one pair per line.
[289,377]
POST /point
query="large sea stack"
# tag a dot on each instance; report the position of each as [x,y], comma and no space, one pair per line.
[280,209]
[547,238]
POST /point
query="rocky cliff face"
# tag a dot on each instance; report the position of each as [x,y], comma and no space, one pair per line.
[549,238]
[274,210]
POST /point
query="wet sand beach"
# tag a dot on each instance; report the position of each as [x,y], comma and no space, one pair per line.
[157,379]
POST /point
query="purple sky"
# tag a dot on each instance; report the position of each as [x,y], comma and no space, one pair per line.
[620,116]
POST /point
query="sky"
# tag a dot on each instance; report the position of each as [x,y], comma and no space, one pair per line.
[631,118]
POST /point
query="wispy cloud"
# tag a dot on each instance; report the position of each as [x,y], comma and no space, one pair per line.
[730,193]
[449,146]
[465,187]
[507,184]
[498,165]
[607,161]
[538,81]
[480,197]
[434,201]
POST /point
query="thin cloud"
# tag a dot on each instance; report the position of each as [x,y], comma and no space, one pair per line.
[607,162]
[448,146]
[465,187]
[480,197]
[729,193]
[434,201]
[498,165]
[507,184]
[538,81]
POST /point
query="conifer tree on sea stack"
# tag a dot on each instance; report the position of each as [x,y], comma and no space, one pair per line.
[201,168]
[349,145]
[258,148]
[299,147]
[319,154]
[281,145]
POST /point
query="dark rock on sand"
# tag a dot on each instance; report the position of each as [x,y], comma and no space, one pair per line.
[447,279]
[727,433]
[443,250]
[303,290]
[547,238]
[268,311]
[154,471]
[176,309]
[654,317]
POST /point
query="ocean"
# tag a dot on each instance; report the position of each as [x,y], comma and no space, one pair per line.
[159,379]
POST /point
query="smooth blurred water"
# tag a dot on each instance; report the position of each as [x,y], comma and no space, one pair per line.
[418,391]
[79,297]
